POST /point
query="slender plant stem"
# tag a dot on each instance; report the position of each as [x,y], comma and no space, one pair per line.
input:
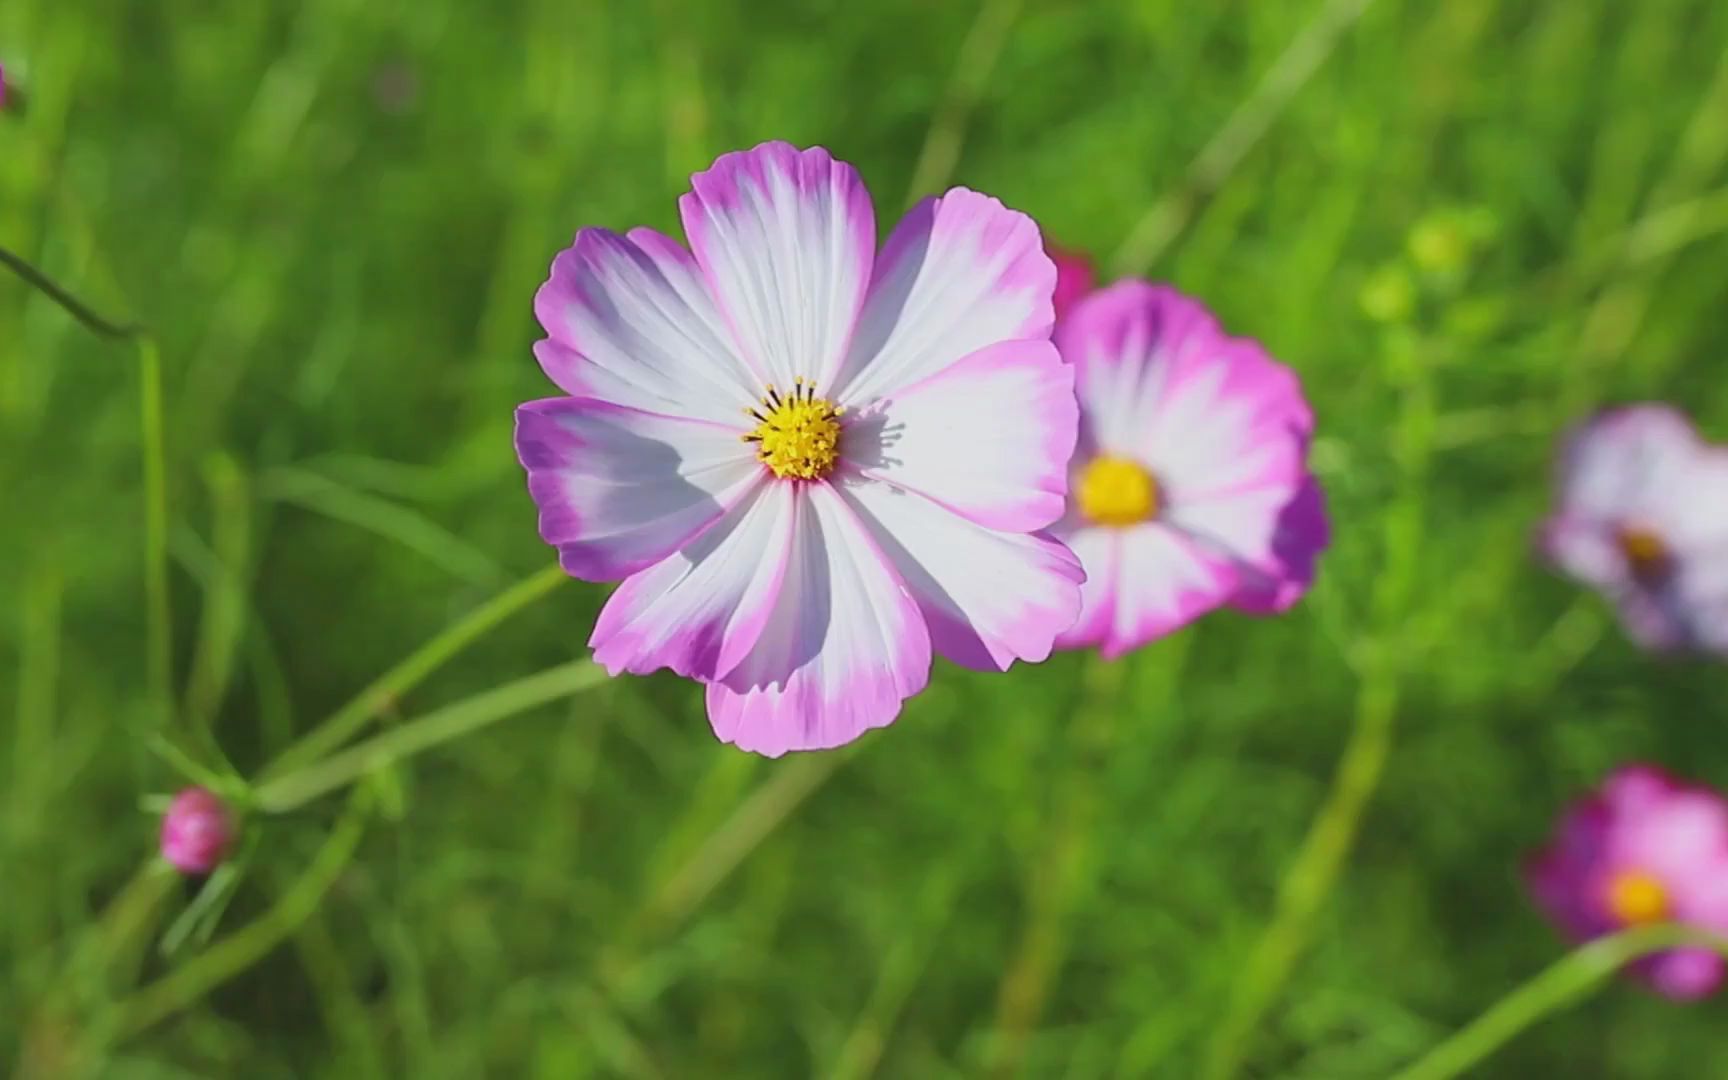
[93,322]
[159,661]
[1038,957]
[160,615]
[1160,225]
[246,946]
[1567,981]
[352,717]
[297,788]
[978,54]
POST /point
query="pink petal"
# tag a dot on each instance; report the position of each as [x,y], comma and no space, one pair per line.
[1159,381]
[631,322]
[786,239]
[1099,551]
[988,437]
[1275,535]
[1586,550]
[960,272]
[1165,581]
[956,571]
[1623,464]
[843,648]
[620,489]
[700,610]
[1074,278]
[1684,974]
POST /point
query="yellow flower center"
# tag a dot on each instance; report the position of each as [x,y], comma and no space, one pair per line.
[797,436]
[1637,899]
[1116,491]
[1645,553]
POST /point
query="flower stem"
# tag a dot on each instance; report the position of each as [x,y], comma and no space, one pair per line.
[159,612]
[243,948]
[159,616]
[1066,864]
[297,788]
[347,721]
[1563,983]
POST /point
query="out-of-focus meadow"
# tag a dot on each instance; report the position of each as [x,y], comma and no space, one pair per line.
[1463,223]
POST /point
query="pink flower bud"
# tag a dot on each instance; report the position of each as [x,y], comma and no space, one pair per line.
[196,831]
[1074,277]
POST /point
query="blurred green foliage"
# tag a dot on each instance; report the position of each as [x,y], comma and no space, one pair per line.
[1473,221]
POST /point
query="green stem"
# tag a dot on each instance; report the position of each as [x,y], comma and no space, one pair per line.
[352,717]
[1063,867]
[93,322]
[297,788]
[160,618]
[245,947]
[1563,983]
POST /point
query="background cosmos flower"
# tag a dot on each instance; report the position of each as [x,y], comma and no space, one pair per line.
[1074,277]
[1190,488]
[1644,849]
[1642,514]
[810,464]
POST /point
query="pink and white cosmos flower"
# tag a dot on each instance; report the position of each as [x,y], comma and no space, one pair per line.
[1190,488]
[1642,515]
[1644,849]
[810,464]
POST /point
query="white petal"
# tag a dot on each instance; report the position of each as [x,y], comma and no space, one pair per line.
[960,272]
[786,239]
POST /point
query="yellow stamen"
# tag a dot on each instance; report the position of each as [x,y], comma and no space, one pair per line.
[1645,553]
[798,435]
[1116,491]
[1637,899]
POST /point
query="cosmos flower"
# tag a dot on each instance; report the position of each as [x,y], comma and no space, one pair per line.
[1190,488]
[196,831]
[811,464]
[1642,515]
[1644,849]
[1074,277]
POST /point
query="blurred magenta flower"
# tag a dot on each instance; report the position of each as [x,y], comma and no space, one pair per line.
[1074,277]
[1190,488]
[196,831]
[1644,849]
[1642,514]
[810,464]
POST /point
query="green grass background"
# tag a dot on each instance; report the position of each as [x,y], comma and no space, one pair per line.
[1464,223]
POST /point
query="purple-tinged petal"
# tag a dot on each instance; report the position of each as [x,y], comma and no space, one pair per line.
[630,321]
[960,272]
[1275,537]
[843,648]
[955,570]
[1166,581]
[988,437]
[1075,278]
[700,610]
[786,239]
[1623,462]
[1099,551]
[1159,381]
[1684,974]
[620,489]
[1586,550]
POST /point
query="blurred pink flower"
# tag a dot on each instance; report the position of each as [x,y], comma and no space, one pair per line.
[1190,487]
[1642,514]
[196,831]
[1644,849]
[1074,277]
